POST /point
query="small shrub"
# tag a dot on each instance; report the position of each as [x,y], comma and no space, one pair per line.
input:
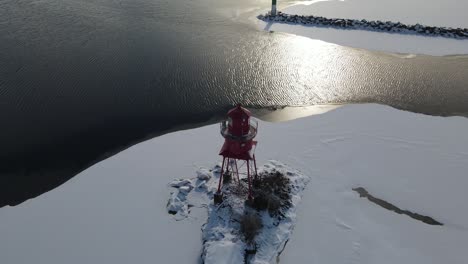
[274,204]
[260,201]
[250,226]
[266,201]
[272,193]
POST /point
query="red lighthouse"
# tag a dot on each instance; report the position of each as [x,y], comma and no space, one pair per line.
[238,130]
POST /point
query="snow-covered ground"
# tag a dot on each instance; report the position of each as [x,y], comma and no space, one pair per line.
[115,211]
[450,13]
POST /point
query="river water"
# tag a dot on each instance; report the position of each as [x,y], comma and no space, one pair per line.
[83,79]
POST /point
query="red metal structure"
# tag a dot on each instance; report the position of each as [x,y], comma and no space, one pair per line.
[238,130]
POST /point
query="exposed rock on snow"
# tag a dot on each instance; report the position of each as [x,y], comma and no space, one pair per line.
[230,235]
[383,26]
[185,189]
[425,219]
[177,204]
[201,185]
[203,174]
[180,182]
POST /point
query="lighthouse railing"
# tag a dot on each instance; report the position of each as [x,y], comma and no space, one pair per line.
[253,127]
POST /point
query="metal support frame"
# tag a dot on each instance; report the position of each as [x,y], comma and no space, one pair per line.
[255,166]
[237,173]
[235,169]
[221,176]
[250,184]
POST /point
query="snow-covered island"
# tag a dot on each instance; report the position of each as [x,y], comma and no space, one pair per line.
[239,230]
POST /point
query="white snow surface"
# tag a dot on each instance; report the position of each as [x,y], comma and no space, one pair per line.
[224,252]
[115,211]
[450,13]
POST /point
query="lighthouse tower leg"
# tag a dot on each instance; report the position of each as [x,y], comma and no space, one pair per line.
[227,175]
[237,173]
[255,166]
[218,196]
[249,179]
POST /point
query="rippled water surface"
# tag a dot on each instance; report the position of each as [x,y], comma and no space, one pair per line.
[82,79]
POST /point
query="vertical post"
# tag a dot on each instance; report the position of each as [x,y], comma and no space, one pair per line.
[255,166]
[248,177]
[231,165]
[273,7]
[237,173]
[221,176]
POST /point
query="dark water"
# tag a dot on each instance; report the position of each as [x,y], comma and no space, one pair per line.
[82,79]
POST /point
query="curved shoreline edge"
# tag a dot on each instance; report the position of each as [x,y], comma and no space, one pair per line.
[368,25]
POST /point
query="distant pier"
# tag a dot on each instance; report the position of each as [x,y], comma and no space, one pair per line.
[378,26]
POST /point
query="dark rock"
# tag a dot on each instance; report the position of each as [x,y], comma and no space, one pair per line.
[425,219]
[218,198]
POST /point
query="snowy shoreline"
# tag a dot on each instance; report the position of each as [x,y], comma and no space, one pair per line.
[377,26]
[115,211]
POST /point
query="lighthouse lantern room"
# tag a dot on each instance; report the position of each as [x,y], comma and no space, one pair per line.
[238,130]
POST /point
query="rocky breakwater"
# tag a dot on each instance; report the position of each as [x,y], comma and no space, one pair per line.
[380,26]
